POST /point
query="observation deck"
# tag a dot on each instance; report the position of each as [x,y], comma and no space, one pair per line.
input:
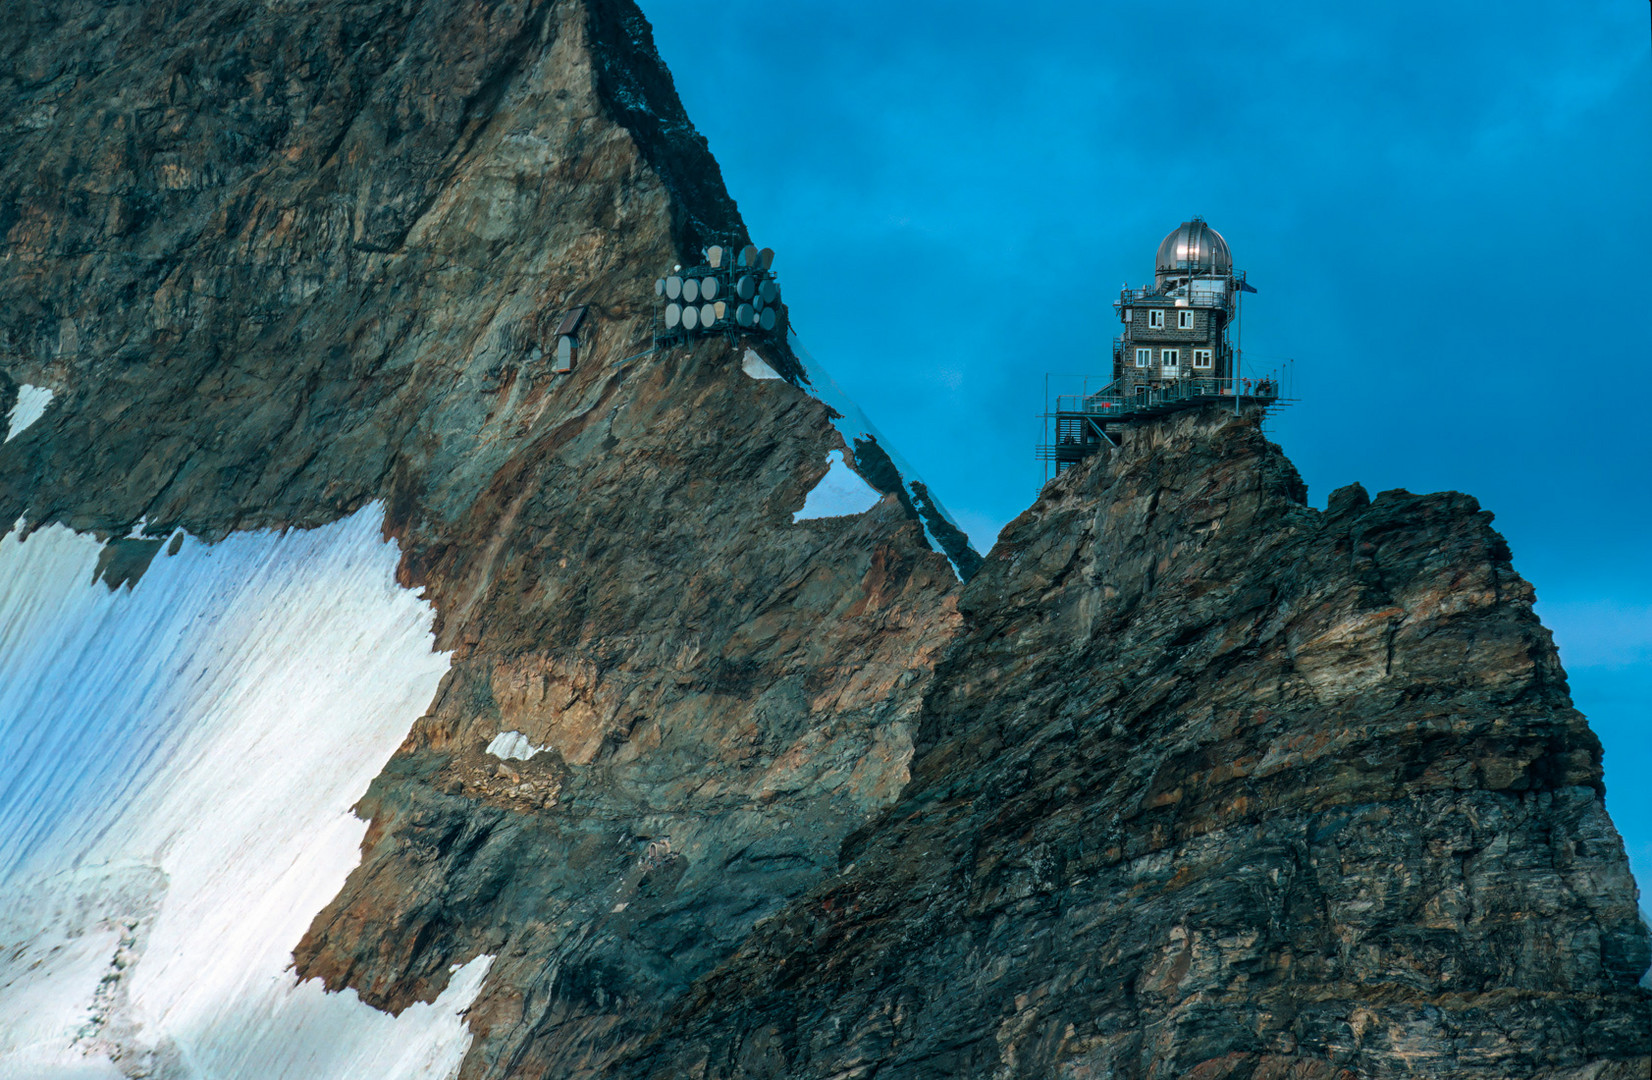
[1084,422]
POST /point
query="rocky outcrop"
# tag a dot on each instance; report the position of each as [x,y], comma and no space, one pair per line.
[1204,782]
[1213,784]
[282,262]
[722,696]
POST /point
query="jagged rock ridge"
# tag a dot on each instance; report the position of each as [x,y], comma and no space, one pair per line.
[1215,785]
[279,264]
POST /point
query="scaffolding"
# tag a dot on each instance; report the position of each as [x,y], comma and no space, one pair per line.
[1082,423]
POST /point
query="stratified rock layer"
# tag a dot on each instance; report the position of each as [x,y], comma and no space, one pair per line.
[280,262]
[1216,785]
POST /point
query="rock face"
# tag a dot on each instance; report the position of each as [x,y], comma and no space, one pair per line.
[283,259]
[1206,782]
[1216,785]
[278,264]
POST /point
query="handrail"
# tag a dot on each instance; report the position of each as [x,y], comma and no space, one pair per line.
[1113,401]
[1082,421]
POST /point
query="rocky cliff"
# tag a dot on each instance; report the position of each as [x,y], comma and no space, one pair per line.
[1215,785]
[282,262]
[1202,779]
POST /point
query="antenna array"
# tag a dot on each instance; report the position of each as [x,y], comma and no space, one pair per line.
[728,293]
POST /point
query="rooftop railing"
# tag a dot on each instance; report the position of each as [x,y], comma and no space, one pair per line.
[1192,293]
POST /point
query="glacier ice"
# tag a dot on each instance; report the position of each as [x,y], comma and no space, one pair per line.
[839,493]
[31,406]
[178,760]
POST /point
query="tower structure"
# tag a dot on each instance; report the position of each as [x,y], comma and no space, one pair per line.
[1179,350]
[1179,328]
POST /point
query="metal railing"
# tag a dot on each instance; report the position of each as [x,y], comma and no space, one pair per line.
[1190,293]
[1127,396]
[1084,422]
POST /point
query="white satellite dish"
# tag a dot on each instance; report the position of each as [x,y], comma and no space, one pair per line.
[708,314]
[714,256]
[673,316]
[673,287]
[748,255]
[691,289]
[746,287]
[691,317]
[659,286]
[765,258]
[766,320]
[745,316]
[769,291]
[722,309]
[708,288]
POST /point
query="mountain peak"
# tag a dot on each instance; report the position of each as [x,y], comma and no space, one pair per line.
[707,744]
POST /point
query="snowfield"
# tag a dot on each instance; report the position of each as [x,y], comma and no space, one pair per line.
[178,760]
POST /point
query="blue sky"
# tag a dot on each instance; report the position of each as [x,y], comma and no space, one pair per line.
[1445,212]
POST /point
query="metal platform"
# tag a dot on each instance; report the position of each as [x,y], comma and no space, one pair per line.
[1085,422]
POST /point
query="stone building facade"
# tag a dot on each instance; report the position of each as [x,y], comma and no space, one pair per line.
[1179,328]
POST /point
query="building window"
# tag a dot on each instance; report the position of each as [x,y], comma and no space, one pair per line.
[1155,319]
[1144,357]
[1201,358]
[1184,320]
[1169,357]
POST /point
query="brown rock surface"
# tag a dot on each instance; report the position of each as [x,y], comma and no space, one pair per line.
[282,261]
[1208,784]
[1216,785]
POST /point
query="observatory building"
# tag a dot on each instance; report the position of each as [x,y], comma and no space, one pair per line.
[1179,348]
[1178,329]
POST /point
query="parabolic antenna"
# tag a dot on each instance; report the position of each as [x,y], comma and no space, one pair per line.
[691,289]
[659,286]
[708,314]
[691,317]
[673,287]
[766,320]
[708,288]
[769,291]
[714,256]
[745,316]
[673,316]
[765,258]
[722,309]
[746,287]
[757,302]
[748,255]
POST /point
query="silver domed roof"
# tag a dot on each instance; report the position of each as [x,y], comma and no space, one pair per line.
[1193,248]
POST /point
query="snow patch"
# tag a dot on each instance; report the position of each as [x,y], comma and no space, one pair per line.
[31,405]
[757,367]
[840,493]
[512,744]
[178,761]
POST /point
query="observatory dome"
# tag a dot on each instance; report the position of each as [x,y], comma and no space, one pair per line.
[1193,248]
